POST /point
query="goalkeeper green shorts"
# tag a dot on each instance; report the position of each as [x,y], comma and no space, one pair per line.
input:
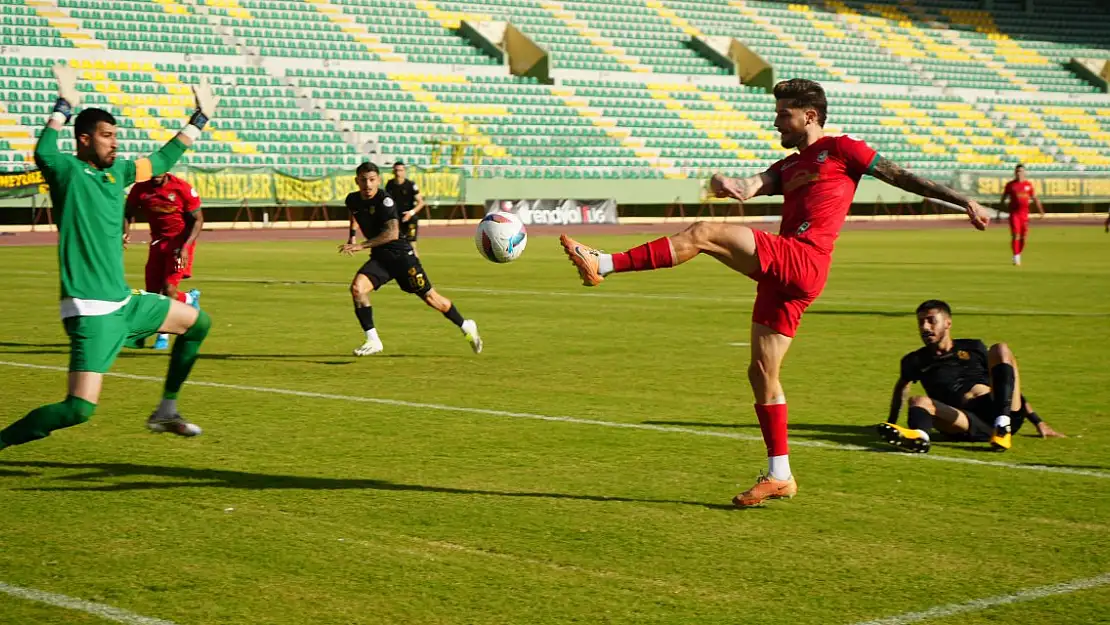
[95,341]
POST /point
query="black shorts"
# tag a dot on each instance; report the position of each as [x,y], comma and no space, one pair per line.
[410,229]
[980,418]
[406,270]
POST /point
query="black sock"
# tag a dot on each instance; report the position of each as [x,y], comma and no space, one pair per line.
[365,316]
[1002,389]
[453,314]
[919,418]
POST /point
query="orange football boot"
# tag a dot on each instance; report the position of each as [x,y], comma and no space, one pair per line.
[584,259]
[766,487]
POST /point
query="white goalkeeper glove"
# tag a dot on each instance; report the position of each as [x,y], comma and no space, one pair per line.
[68,95]
[206,104]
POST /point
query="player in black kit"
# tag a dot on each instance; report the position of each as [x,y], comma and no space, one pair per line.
[409,203]
[391,258]
[972,393]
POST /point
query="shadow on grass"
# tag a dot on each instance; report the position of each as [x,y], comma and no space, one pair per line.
[186,477]
[832,432]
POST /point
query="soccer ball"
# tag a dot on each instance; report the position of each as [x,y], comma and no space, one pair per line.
[501,237]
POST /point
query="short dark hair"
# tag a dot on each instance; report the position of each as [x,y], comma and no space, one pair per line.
[1019,166]
[88,119]
[934,304]
[401,163]
[366,168]
[802,93]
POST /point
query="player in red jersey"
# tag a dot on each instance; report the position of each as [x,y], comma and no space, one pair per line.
[172,207]
[1020,191]
[818,184]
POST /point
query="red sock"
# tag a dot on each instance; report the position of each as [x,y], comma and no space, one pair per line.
[772,422]
[1015,245]
[182,297]
[653,255]
[1021,246]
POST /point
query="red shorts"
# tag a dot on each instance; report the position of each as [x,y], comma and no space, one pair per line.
[161,265]
[1019,224]
[791,275]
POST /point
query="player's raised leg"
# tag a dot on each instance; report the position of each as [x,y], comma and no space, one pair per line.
[768,351]
[468,327]
[191,327]
[732,244]
[361,288]
[1005,394]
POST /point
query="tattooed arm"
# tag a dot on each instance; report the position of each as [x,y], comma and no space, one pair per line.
[766,183]
[895,175]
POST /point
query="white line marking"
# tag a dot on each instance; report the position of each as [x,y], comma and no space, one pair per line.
[105,612]
[976,605]
[740,344]
[578,420]
[865,304]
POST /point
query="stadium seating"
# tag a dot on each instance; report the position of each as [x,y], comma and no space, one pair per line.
[260,123]
[627,124]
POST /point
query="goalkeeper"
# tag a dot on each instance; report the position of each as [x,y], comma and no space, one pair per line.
[98,310]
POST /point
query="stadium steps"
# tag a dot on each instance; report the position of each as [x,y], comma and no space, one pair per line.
[69,28]
[231,8]
[612,128]
[173,7]
[455,115]
[357,31]
[889,32]
[674,18]
[836,73]
[606,45]
[450,20]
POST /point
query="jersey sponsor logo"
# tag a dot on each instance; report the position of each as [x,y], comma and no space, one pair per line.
[801,179]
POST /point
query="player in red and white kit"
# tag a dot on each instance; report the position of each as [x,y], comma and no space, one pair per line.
[1020,191]
[172,208]
[818,184]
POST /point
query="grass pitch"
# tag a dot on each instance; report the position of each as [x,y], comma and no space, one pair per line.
[329,509]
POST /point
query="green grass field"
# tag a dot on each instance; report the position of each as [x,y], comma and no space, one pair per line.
[329,509]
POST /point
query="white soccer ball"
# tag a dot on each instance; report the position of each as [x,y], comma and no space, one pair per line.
[501,237]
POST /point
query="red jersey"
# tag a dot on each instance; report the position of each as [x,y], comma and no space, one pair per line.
[818,185]
[1020,192]
[164,205]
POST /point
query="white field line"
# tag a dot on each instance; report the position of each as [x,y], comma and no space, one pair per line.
[976,605]
[105,612]
[682,297]
[577,420]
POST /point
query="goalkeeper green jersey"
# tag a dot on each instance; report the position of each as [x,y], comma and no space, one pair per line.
[88,209]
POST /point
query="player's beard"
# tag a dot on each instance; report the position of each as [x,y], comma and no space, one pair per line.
[106,162]
[791,140]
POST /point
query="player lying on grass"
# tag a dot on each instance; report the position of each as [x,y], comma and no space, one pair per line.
[99,311]
[391,258]
[817,184]
[972,393]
